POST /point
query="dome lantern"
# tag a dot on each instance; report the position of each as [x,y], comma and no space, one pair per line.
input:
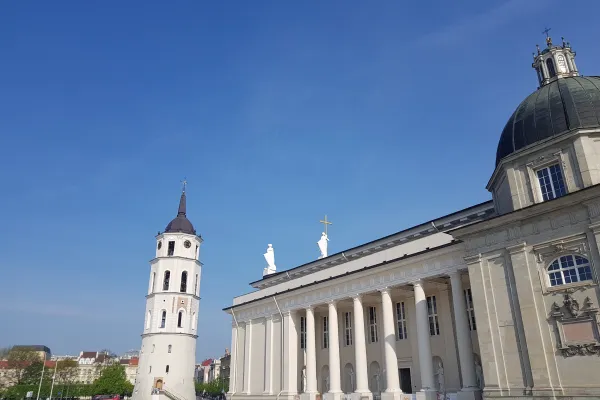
[554,62]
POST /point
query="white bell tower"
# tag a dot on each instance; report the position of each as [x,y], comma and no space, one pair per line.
[168,354]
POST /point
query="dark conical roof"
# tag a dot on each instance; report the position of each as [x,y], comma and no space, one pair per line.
[556,108]
[180,223]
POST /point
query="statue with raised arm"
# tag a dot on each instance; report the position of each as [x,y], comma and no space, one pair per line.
[270,258]
[323,245]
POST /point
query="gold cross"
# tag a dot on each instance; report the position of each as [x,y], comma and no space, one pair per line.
[184,182]
[325,222]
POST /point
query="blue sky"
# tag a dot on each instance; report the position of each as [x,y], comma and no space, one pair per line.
[380,114]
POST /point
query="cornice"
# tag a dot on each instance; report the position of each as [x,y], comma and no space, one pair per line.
[169,334]
[148,296]
[157,259]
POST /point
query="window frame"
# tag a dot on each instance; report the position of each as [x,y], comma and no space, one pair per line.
[432,316]
[325,336]
[555,192]
[470,309]
[166,280]
[348,337]
[170,248]
[575,267]
[183,283]
[372,318]
[163,319]
[303,332]
[180,315]
[401,331]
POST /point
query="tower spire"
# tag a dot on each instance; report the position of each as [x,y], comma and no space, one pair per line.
[181,210]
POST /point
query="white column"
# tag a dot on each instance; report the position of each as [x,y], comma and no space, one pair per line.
[463,335]
[360,349]
[424,345]
[248,358]
[335,384]
[311,352]
[389,335]
[268,389]
[290,352]
[234,354]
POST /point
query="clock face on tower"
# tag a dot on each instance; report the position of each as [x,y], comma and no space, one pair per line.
[562,64]
[187,244]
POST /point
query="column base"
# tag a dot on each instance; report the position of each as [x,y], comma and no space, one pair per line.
[333,396]
[362,396]
[288,396]
[427,395]
[391,395]
[469,394]
[309,396]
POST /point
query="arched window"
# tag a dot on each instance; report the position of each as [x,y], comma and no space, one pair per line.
[153,347]
[183,287]
[180,319]
[148,318]
[551,70]
[569,269]
[194,321]
[349,378]
[152,281]
[375,383]
[196,285]
[166,280]
[170,348]
[167,369]
[163,319]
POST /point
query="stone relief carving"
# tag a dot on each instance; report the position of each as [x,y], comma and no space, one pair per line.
[576,326]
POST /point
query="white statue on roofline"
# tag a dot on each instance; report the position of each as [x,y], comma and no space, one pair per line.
[323,245]
[270,258]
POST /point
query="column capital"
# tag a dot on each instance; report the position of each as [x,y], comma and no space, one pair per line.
[517,248]
[332,302]
[310,307]
[386,289]
[474,259]
[418,282]
[454,274]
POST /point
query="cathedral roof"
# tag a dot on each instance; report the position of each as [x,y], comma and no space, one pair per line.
[180,223]
[555,108]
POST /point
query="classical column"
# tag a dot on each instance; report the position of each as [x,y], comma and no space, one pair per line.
[425,362]
[311,353]
[391,360]
[360,349]
[463,334]
[268,389]
[290,351]
[233,359]
[248,358]
[335,384]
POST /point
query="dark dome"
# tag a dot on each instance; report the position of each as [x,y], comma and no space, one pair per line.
[180,223]
[555,108]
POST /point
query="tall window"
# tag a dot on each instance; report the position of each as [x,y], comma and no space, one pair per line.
[551,70]
[470,309]
[183,286]
[166,280]
[434,326]
[569,269]
[171,250]
[153,283]
[372,325]
[302,332]
[167,369]
[180,319]
[325,332]
[348,328]
[169,349]
[163,319]
[400,321]
[552,184]
[153,347]
[196,285]
[148,318]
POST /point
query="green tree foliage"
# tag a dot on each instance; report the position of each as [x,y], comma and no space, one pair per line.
[33,373]
[19,392]
[214,387]
[19,359]
[66,371]
[113,380]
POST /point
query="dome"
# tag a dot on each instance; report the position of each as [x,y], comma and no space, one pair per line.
[555,108]
[180,223]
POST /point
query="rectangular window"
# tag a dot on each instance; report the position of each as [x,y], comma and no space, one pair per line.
[372,325]
[470,309]
[325,332]
[400,321]
[348,328]
[552,184]
[171,250]
[434,325]
[302,332]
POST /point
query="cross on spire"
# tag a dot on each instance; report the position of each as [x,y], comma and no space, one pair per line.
[325,222]
[184,183]
[546,31]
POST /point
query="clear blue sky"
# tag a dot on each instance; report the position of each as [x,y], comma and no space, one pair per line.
[380,114]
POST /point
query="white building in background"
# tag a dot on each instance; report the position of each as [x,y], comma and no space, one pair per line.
[167,356]
[499,299]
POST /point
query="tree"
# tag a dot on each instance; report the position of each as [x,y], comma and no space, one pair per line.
[214,387]
[113,380]
[19,359]
[66,371]
[33,373]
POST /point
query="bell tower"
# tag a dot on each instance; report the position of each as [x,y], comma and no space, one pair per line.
[554,62]
[168,353]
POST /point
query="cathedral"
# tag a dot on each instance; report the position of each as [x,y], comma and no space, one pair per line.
[499,300]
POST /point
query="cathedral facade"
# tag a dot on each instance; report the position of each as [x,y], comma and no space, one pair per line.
[499,300]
